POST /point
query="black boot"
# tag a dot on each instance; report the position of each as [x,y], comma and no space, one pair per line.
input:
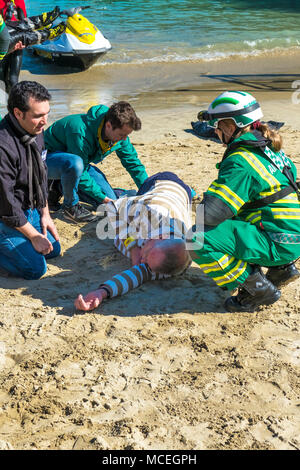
[255,291]
[283,275]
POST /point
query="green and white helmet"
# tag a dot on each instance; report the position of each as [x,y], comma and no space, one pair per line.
[239,106]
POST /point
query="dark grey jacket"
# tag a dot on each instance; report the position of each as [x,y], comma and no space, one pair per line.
[14,194]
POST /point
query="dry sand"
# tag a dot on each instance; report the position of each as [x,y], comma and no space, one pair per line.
[164,367]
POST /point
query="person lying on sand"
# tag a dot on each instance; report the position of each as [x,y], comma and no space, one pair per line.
[252,209]
[150,230]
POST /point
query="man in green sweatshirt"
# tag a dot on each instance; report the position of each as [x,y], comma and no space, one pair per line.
[76,141]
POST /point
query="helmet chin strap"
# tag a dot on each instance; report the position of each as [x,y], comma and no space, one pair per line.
[233,136]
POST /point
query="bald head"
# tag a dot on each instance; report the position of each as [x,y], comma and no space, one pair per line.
[166,256]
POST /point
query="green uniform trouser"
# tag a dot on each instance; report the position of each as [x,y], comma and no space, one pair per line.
[225,252]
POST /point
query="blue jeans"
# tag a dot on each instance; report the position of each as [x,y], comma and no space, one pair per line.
[102,182]
[68,168]
[17,255]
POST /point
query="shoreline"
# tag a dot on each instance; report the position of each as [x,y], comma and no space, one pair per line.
[170,86]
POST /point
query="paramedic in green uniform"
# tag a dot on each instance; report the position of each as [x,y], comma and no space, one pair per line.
[252,209]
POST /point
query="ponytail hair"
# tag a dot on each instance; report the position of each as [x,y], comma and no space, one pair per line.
[270,134]
[266,131]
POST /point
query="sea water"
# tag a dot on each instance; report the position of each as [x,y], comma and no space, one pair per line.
[162,46]
[142,31]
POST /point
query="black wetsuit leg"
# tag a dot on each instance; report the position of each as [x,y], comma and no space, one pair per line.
[11,67]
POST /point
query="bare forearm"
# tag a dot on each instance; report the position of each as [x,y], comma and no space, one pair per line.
[45,211]
[28,230]
[39,241]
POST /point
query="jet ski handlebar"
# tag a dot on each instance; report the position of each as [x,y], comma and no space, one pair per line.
[73,11]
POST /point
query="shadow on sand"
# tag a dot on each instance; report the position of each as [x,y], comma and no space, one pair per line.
[91,261]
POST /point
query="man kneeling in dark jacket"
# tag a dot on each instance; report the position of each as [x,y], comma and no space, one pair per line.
[28,235]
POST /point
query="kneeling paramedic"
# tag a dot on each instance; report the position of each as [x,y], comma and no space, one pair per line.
[252,209]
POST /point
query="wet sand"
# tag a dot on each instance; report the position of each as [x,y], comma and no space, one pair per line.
[164,367]
[153,86]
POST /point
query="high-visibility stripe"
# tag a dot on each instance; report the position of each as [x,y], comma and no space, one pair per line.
[263,168]
[232,275]
[214,263]
[255,163]
[220,265]
[285,213]
[253,217]
[234,195]
[254,220]
[285,209]
[224,196]
[290,199]
[235,198]
[295,217]
[217,262]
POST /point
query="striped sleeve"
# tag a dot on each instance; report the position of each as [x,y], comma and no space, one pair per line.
[119,244]
[130,279]
[127,280]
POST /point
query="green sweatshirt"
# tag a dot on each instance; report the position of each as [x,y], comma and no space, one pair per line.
[78,134]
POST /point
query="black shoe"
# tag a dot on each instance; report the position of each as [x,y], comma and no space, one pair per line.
[78,213]
[257,290]
[53,205]
[282,275]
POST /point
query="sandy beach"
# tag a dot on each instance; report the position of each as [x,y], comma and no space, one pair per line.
[164,367]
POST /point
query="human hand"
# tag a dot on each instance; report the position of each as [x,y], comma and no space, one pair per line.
[91,300]
[18,46]
[107,199]
[41,244]
[47,224]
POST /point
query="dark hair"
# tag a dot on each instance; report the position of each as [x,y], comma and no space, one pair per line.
[122,113]
[21,93]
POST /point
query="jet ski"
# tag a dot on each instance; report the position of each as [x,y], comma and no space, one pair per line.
[80,46]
